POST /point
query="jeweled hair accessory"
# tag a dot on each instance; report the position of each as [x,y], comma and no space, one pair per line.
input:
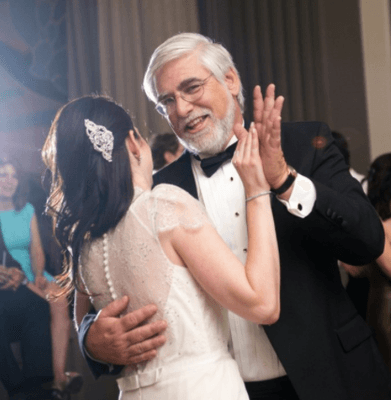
[101,138]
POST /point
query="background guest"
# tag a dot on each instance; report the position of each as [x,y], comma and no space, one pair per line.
[357,286]
[20,232]
[378,273]
[165,149]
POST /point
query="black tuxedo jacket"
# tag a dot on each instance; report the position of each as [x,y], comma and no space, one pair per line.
[326,348]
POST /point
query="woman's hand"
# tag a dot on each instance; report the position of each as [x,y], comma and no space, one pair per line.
[247,161]
[15,278]
[4,275]
[41,282]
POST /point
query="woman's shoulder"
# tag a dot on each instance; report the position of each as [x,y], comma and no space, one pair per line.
[387,228]
[175,207]
[27,210]
[171,192]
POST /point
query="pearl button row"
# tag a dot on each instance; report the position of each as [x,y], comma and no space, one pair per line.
[106,266]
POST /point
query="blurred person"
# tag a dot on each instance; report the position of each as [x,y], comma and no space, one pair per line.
[24,318]
[321,215]
[20,233]
[165,149]
[357,286]
[343,146]
[379,273]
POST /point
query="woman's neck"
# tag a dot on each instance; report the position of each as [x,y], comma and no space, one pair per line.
[141,181]
[6,204]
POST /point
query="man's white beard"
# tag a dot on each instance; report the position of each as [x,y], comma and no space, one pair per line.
[212,139]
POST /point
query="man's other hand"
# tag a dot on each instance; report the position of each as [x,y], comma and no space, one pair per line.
[123,340]
[267,116]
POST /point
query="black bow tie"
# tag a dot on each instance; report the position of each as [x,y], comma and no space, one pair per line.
[212,164]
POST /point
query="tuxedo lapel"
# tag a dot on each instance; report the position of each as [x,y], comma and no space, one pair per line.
[178,173]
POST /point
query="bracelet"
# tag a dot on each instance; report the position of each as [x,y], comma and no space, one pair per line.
[258,195]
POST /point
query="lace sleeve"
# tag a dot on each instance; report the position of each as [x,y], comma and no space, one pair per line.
[175,207]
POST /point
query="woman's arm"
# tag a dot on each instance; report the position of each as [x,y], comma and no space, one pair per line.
[384,261]
[37,255]
[253,290]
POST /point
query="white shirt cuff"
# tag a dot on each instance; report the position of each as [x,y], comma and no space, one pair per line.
[302,199]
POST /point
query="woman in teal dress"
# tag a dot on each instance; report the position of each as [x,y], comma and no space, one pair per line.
[19,228]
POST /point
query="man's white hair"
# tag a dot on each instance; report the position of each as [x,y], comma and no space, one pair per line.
[212,56]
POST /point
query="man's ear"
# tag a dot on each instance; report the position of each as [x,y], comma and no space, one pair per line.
[232,81]
[132,144]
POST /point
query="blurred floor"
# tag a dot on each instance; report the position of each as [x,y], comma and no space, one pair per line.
[105,388]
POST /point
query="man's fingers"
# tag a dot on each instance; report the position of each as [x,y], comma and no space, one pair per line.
[115,308]
[279,103]
[149,355]
[276,128]
[145,346]
[270,91]
[268,102]
[135,318]
[144,333]
[276,112]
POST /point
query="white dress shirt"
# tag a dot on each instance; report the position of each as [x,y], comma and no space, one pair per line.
[224,199]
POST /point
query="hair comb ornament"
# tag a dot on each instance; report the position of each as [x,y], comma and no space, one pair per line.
[101,138]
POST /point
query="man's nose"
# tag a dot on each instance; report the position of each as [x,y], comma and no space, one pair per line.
[183,107]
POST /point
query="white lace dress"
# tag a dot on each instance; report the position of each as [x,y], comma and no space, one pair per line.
[194,363]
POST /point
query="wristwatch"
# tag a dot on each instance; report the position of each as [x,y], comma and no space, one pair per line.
[288,182]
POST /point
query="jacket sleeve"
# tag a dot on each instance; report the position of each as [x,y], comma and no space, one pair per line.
[97,368]
[342,220]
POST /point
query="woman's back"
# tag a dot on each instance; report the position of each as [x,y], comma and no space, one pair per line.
[197,335]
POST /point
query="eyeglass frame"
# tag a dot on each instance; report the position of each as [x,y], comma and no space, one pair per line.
[161,109]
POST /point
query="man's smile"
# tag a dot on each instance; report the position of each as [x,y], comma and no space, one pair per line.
[196,124]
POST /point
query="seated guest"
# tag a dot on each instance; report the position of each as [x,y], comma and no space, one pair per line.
[21,238]
[24,317]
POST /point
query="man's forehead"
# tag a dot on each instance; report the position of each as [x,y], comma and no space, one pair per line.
[179,72]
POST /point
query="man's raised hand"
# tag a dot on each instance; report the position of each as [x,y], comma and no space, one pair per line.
[267,119]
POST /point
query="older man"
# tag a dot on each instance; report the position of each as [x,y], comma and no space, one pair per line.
[320,348]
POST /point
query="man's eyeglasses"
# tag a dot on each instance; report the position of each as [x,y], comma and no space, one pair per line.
[190,93]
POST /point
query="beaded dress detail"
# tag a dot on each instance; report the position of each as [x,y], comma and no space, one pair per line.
[194,363]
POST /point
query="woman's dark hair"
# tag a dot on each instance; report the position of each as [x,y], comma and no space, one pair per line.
[160,143]
[19,199]
[379,185]
[88,194]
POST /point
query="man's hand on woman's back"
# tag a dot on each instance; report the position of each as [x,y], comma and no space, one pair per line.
[124,340]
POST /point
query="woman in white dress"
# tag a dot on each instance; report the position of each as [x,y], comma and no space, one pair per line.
[121,237]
